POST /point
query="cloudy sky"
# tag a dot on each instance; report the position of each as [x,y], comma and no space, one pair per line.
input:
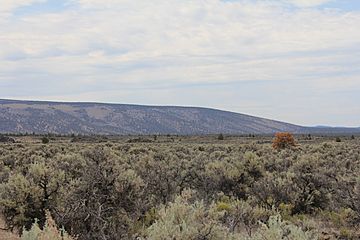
[291,60]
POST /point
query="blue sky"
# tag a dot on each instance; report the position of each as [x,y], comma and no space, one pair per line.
[344,5]
[49,6]
[291,60]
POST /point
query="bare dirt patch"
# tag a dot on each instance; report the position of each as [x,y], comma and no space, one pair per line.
[6,235]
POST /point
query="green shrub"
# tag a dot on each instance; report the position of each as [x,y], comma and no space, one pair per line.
[184,219]
[278,229]
[49,232]
[221,137]
[45,140]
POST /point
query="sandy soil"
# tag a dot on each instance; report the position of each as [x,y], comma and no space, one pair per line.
[5,235]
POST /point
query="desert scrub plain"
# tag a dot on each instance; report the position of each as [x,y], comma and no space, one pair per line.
[179,188]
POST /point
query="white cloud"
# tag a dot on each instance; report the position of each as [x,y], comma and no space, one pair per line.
[7,6]
[98,46]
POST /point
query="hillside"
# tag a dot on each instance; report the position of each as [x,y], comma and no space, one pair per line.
[98,118]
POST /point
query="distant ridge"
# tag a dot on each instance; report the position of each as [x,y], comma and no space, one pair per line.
[18,116]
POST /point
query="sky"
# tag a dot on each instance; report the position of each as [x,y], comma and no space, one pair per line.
[291,60]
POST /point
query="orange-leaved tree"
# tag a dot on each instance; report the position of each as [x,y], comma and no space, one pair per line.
[283,140]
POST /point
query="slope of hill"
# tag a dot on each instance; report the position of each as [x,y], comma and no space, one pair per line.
[98,118]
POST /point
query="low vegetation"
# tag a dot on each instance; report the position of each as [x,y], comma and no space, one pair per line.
[283,141]
[181,188]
